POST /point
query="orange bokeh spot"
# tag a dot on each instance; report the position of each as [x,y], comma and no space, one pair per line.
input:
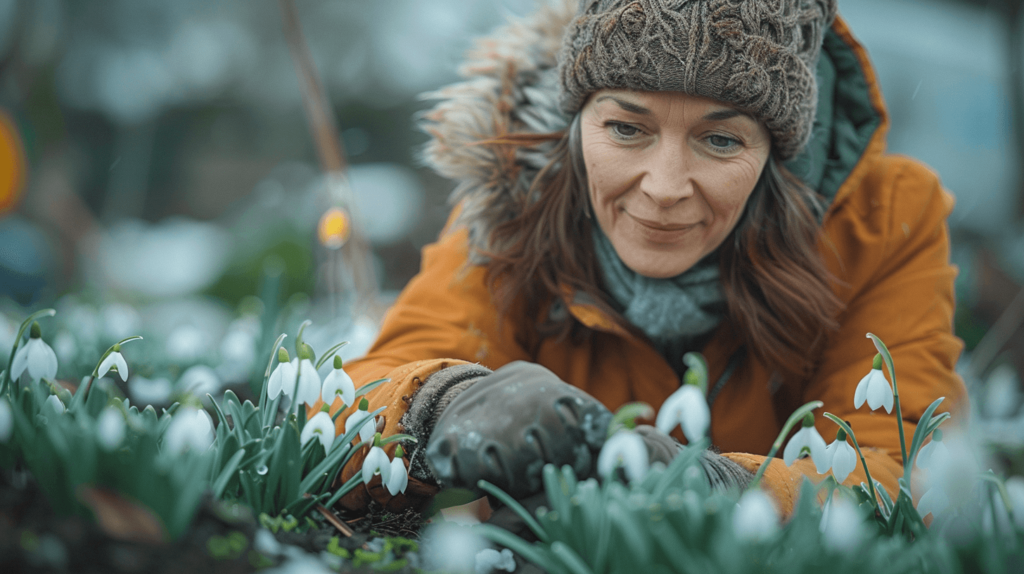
[12,164]
[335,228]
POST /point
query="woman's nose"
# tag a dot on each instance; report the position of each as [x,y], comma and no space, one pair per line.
[669,177]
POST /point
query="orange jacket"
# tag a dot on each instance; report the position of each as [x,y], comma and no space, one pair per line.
[884,237]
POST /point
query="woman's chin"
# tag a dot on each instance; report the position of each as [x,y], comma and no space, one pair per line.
[659,265]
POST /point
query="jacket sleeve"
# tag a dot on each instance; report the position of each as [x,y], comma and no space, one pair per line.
[443,317]
[898,284]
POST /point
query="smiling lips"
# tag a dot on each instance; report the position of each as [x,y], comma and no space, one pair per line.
[657,232]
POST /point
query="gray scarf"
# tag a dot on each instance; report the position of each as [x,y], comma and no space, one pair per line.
[677,314]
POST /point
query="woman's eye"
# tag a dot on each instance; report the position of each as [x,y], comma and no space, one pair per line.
[722,142]
[624,130]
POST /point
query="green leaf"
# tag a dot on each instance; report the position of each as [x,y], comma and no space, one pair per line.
[921,433]
[510,502]
[227,473]
[370,386]
[530,552]
[570,559]
[329,353]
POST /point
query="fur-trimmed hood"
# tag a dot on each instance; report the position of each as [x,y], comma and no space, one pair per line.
[512,87]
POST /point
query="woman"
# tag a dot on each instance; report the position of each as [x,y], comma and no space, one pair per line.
[640,179]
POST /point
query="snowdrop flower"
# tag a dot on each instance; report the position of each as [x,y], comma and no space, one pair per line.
[283,377]
[110,428]
[934,502]
[199,380]
[755,518]
[933,455]
[114,361]
[35,357]
[320,426]
[489,560]
[842,525]
[367,430]
[6,421]
[376,462]
[626,449]
[308,389]
[399,478]
[53,403]
[449,547]
[190,428]
[338,383]
[807,440]
[874,388]
[840,457]
[687,407]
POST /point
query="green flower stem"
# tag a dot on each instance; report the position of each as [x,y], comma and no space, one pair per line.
[849,432]
[794,419]
[266,379]
[990,476]
[884,351]
[298,338]
[625,417]
[17,342]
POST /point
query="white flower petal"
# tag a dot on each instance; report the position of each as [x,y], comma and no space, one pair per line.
[687,407]
[366,431]
[110,428]
[322,427]
[6,420]
[879,392]
[843,459]
[190,428]
[55,404]
[399,479]
[934,502]
[625,449]
[109,361]
[933,456]
[376,461]
[122,365]
[842,525]
[755,518]
[308,390]
[20,362]
[810,438]
[41,361]
[338,383]
[282,380]
[861,394]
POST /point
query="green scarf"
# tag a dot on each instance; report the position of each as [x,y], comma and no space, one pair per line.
[678,314]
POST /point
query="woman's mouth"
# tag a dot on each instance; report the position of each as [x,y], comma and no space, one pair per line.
[661,232]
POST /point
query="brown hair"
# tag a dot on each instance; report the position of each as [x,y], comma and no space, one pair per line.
[776,285]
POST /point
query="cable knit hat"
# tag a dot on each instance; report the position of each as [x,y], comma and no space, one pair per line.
[757,55]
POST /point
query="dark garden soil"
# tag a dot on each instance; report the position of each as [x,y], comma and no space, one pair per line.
[33,538]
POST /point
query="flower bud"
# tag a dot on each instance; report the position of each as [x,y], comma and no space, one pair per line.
[306,352]
[399,453]
[364,405]
[325,408]
[35,332]
[117,348]
[376,439]
[841,435]
[876,363]
[808,420]
[937,435]
[282,355]
[337,362]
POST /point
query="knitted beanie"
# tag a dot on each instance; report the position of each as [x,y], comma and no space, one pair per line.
[757,55]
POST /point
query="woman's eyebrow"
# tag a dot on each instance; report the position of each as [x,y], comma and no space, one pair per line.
[728,114]
[628,106]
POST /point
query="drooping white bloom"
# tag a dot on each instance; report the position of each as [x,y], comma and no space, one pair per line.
[282,380]
[687,407]
[367,431]
[200,380]
[37,358]
[6,420]
[450,547]
[841,525]
[189,428]
[337,383]
[53,403]
[933,455]
[114,359]
[841,458]
[376,461]
[626,449]
[807,440]
[399,479]
[755,518]
[934,502]
[320,426]
[110,428]
[875,389]
[308,389]
[489,560]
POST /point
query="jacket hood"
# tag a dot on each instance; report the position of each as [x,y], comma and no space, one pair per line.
[512,87]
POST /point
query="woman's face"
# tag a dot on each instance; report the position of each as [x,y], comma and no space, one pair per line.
[669,174]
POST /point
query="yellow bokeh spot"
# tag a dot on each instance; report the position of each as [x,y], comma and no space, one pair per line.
[335,228]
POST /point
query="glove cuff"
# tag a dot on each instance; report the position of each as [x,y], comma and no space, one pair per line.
[427,404]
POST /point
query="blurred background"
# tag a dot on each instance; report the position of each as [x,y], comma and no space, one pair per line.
[162,177]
